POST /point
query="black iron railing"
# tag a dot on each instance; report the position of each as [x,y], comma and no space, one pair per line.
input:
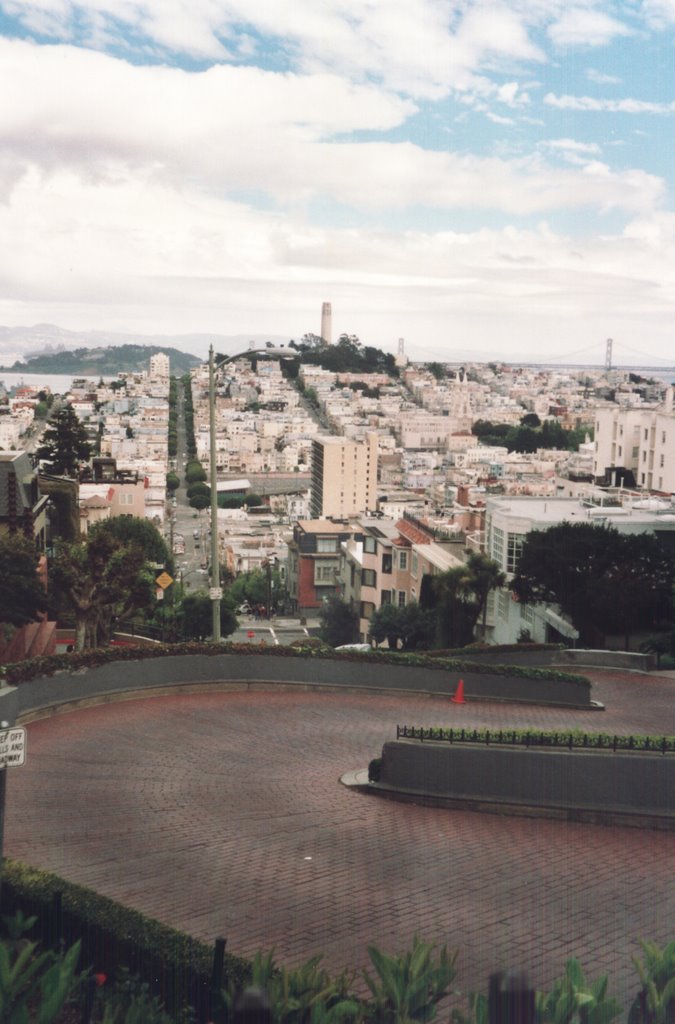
[529,738]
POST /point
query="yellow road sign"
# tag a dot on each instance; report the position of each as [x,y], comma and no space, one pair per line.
[164,580]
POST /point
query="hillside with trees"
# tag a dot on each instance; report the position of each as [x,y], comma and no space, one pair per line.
[107,361]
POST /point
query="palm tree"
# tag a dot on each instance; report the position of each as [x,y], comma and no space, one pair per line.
[487,576]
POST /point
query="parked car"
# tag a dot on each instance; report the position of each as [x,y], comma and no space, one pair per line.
[364,648]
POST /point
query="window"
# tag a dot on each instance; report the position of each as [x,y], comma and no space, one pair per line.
[498,545]
[366,609]
[325,572]
[661,461]
[326,544]
[369,545]
[663,437]
[368,578]
[401,598]
[386,597]
[644,456]
[514,547]
[646,434]
[352,574]
[527,614]
[126,499]
[403,559]
[503,604]
[386,562]
[413,568]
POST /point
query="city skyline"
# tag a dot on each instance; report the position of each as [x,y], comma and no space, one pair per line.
[477,176]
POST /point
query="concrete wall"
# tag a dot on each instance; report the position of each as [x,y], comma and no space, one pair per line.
[118,678]
[573,658]
[628,783]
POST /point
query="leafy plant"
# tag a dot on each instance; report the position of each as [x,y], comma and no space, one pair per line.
[655,1002]
[478,1011]
[572,998]
[35,986]
[408,987]
[304,995]
[129,1001]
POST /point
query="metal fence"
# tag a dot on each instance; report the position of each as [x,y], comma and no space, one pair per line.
[520,738]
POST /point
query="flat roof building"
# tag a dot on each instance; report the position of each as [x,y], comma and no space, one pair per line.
[344,477]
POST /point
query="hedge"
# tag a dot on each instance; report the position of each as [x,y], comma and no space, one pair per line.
[24,671]
[113,936]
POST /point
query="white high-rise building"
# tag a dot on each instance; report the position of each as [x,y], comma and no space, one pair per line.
[641,441]
[159,366]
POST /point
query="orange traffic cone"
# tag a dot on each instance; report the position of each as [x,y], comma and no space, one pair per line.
[459,694]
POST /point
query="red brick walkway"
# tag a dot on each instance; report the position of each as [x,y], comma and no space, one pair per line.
[223,814]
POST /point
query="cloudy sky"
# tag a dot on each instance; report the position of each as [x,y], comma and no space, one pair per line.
[475,176]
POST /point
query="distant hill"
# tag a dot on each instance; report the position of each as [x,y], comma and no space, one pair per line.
[106,361]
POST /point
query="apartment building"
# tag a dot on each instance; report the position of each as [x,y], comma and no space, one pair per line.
[636,446]
[344,476]
[385,562]
[159,367]
[313,567]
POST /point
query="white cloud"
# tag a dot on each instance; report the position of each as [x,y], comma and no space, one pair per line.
[421,49]
[229,129]
[572,144]
[625,106]
[132,254]
[499,119]
[581,26]
[659,13]
[601,78]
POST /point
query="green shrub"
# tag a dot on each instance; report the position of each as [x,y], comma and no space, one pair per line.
[174,960]
[574,738]
[23,671]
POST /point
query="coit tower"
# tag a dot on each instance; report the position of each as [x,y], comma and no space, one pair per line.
[326,323]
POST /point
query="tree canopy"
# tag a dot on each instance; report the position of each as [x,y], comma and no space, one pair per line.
[102,580]
[197,617]
[22,594]
[339,623]
[346,355]
[411,626]
[530,435]
[64,444]
[601,579]
[143,534]
[460,597]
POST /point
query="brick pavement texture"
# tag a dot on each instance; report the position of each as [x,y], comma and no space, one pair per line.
[222,814]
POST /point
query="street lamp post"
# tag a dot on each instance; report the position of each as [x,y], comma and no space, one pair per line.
[216,591]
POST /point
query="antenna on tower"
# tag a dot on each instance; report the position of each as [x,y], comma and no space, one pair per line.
[608,354]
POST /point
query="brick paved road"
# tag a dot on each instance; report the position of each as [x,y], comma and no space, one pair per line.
[222,814]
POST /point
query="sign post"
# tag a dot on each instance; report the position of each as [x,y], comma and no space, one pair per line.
[12,755]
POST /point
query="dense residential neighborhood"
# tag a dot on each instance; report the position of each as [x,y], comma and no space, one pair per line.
[348,485]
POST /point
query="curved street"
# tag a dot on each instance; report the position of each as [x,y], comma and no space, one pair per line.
[222,814]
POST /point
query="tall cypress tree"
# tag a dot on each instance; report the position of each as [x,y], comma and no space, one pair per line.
[64,444]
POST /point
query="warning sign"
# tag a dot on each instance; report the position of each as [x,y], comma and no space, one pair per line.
[164,580]
[13,747]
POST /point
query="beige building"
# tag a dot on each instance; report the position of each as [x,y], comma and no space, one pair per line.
[344,477]
[641,441]
[159,367]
